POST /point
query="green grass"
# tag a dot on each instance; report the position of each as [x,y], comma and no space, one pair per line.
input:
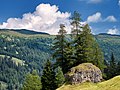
[15,60]
[112,84]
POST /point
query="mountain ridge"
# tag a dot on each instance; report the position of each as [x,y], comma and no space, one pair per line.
[25,31]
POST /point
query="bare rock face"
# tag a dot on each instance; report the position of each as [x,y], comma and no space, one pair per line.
[86,72]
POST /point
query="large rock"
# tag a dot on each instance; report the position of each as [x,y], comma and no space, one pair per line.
[86,72]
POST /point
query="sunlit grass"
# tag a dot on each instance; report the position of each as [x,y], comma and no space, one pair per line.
[112,84]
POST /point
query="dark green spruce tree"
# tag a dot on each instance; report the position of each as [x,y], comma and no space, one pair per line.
[90,51]
[112,69]
[76,38]
[85,46]
[69,57]
[118,68]
[48,77]
[32,82]
[59,47]
[86,42]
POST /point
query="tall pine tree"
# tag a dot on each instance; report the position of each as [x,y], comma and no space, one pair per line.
[112,69]
[84,46]
[59,47]
[118,68]
[87,49]
[75,42]
[75,23]
[69,57]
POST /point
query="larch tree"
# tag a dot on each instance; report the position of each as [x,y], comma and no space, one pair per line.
[75,30]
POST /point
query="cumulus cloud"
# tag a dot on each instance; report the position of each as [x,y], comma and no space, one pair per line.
[45,18]
[92,1]
[111,19]
[113,31]
[94,18]
[97,17]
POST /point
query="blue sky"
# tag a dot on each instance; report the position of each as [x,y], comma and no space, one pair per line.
[103,16]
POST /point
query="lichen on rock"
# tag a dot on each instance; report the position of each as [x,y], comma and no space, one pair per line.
[86,72]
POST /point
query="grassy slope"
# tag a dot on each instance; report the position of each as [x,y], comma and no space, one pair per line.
[112,84]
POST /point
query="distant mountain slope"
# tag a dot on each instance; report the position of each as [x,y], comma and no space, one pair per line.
[24,31]
[112,84]
[32,48]
[109,43]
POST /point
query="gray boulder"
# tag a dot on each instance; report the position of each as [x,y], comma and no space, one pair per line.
[86,72]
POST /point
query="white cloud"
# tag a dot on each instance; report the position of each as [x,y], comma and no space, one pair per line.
[97,17]
[113,31]
[119,2]
[94,18]
[92,1]
[111,19]
[46,18]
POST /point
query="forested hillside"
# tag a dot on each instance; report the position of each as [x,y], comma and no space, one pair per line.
[23,51]
[109,44]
